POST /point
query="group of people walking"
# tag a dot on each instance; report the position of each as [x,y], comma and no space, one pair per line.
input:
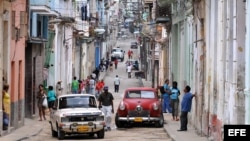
[170,102]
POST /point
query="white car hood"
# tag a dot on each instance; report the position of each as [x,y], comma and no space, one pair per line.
[79,111]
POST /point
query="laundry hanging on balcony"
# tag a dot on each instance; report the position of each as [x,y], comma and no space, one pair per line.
[85,11]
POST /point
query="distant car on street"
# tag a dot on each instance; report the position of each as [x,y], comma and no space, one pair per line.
[117,53]
[139,105]
[77,114]
[134,45]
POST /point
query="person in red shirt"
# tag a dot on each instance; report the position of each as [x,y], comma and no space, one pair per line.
[130,53]
[102,85]
[98,88]
[116,63]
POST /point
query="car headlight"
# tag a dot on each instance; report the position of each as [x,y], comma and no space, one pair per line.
[155,106]
[122,106]
[64,119]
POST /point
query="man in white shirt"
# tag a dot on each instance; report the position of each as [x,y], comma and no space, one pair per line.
[116,84]
[92,86]
[129,69]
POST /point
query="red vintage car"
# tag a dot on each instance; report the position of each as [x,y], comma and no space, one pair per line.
[139,105]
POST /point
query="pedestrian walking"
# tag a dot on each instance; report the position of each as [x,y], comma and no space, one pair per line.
[6,106]
[98,88]
[74,86]
[51,96]
[166,97]
[116,84]
[129,70]
[174,98]
[116,63]
[111,66]
[59,88]
[186,104]
[106,105]
[92,84]
[107,64]
[130,53]
[97,73]
[41,96]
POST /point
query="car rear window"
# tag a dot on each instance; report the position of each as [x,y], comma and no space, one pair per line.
[140,94]
[77,102]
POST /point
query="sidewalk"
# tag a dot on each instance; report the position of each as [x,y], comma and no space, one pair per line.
[31,128]
[171,127]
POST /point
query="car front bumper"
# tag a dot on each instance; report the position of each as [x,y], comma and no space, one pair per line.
[139,119]
[81,128]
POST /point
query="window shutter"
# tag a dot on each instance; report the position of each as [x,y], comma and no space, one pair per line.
[13,28]
[23,24]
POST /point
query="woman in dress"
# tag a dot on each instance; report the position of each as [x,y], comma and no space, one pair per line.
[41,95]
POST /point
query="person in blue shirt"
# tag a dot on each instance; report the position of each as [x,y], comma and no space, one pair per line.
[186,104]
[174,100]
[166,99]
[51,96]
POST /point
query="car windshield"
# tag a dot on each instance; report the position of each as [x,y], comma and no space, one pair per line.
[116,50]
[77,102]
[140,94]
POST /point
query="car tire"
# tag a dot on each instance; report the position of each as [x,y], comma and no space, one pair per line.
[60,134]
[117,122]
[160,123]
[100,134]
[53,132]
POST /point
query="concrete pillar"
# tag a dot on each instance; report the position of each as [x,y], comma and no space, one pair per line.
[247,70]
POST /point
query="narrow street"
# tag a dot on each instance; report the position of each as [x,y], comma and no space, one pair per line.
[135,133]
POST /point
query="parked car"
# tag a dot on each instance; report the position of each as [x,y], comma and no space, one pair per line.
[77,114]
[117,53]
[134,45]
[139,105]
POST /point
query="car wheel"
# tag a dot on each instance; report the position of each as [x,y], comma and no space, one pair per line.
[117,122]
[53,133]
[60,134]
[100,134]
[160,123]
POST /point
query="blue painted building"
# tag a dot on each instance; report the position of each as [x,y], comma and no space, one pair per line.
[35,69]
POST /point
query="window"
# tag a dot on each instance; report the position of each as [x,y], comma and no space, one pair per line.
[77,102]
[140,94]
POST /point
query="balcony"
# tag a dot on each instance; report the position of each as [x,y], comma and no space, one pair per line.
[43,7]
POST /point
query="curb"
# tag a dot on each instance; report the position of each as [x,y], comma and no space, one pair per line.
[171,137]
[33,135]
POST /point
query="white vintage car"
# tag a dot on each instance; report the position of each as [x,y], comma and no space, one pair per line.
[77,114]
